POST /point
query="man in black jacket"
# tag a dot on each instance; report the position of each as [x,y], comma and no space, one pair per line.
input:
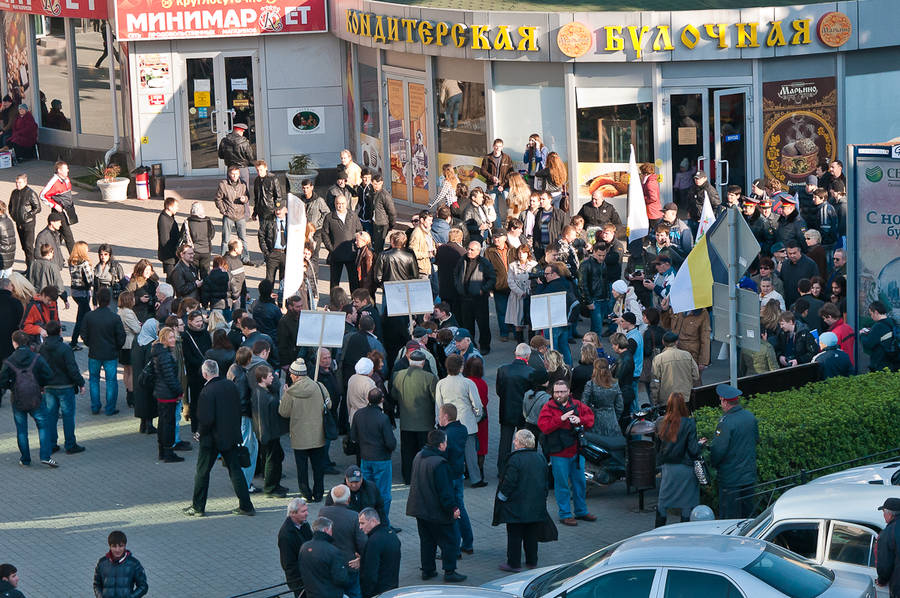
[384,215]
[219,433]
[397,263]
[60,390]
[273,243]
[887,554]
[195,342]
[795,345]
[598,211]
[512,384]
[697,194]
[338,234]
[235,150]
[201,229]
[184,277]
[475,278]
[446,257]
[24,205]
[594,285]
[371,428]
[293,533]
[379,569]
[286,334]
[267,194]
[104,335]
[457,437]
[50,236]
[167,235]
[433,503]
[11,314]
[324,567]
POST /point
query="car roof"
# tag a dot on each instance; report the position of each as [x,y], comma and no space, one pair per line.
[850,502]
[866,474]
[694,549]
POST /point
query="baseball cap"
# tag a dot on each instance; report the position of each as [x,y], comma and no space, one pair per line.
[670,206]
[700,174]
[418,355]
[461,333]
[728,392]
[353,474]
[891,504]
[829,339]
[419,332]
[776,247]
[55,217]
[413,345]
[239,126]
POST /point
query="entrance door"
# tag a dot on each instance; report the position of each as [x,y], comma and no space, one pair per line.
[688,121]
[219,92]
[408,138]
[730,120]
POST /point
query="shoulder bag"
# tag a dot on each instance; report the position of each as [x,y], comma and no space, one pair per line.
[328,423]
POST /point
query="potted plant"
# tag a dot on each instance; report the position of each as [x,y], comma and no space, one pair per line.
[300,168]
[112,186]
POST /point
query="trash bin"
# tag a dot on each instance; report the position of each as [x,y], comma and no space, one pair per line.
[641,469]
[142,182]
[157,181]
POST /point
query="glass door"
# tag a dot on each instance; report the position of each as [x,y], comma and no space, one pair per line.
[730,120]
[689,134]
[220,93]
[408,138]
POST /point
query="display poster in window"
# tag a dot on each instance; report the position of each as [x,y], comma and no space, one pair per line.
[371,153]
[305,121]
[16,36]
[418,126]
[466,167]
[800,128]
[607,178]
[154,73]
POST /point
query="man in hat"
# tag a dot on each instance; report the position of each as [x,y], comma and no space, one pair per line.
[235,149]
[832,360]
[733,454]
[680,236]
[598,211]
[699,192]
[791,225]
[464,346]
[764,225]
[363,492]
[887,555]
[661,284]
[673,370]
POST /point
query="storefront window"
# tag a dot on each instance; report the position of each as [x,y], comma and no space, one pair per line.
[606,133]
[92,75]
[53,76]
[370,118]
[461,117]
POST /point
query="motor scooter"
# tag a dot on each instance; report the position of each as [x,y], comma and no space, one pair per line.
[607,457]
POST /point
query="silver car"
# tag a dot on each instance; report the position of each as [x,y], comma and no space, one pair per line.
[834,525]
[676,566]
[878,474]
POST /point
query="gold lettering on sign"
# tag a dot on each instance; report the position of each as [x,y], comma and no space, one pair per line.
[663,39]
[527,43]
[365,26]
[393,33]
[614,40]
[378,36]
[408,25]
[440,32]
[801,26]
[425,32]
[502,40]
[690,36]
[718,31]
[458,34]
[637,40]
[352,22]
[747,39]
[776,35]
[479,41]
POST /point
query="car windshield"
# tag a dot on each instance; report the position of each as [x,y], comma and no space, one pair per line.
[790,574]
[554,578]
[755,525]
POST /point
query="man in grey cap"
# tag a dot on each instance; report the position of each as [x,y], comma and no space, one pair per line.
[887,565]
[733,454]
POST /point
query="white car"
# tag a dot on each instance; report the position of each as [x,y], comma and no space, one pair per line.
[676,566]
[834,525]
[879,474]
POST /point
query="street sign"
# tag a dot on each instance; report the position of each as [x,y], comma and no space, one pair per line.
[747,317]
[747,245]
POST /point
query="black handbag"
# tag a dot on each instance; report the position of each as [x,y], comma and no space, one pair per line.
[351,447]
[147,377]
[547,531]
[328,423]
[243,455]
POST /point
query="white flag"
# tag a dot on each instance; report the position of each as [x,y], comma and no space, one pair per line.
[296,239]
[637,222]
[706,216]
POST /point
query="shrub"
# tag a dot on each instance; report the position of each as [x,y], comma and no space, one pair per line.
[819,424]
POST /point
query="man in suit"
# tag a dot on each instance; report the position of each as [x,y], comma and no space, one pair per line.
[512,384]
[219,433]
[338,234]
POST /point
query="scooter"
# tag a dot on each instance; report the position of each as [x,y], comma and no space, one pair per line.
[606,457]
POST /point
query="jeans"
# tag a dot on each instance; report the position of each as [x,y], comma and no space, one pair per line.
[500,301]
[566,470]
[561,342]
[462,526]
[248,439]
[63,399]
[602,308]
[381,474]
[451,110]
[112,384]
[40,417]
[228,226]
[177,416]
[84,306]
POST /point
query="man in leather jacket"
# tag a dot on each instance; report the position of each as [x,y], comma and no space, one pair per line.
[594,284]
[267,194]
[24,205]
[384,215]
[235,149]
[397,263]
[475,278]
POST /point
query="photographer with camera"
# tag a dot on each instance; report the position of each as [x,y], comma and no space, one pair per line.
[563,421]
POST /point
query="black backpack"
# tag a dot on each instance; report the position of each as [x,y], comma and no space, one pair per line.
[26,392]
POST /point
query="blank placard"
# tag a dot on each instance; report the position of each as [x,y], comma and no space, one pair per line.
[321,329]
[405,297]
[548,311]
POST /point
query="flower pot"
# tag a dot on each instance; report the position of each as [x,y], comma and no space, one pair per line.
[115,190]
[296,180]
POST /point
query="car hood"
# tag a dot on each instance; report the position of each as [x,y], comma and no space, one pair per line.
[516,583]
[719,526]
[443,591]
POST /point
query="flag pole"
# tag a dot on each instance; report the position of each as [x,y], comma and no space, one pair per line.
[732,296]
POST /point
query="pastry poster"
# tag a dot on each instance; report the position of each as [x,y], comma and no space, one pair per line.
[800,127]
[16,34]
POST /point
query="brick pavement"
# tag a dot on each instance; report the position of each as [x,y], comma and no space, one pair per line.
[54,523]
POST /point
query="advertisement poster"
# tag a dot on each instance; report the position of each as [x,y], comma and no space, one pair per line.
[418,124]
[466,169]
[877,243]
[305,121]
[350,102]
[800,128]
[610,177]
[16,33]
[83,9]
[163,19]
[154,72]
[397,139]
[371,153]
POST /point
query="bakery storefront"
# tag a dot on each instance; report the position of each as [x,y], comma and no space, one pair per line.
[739,93]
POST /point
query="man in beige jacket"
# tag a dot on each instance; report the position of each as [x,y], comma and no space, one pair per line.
[458,390]
[674,370]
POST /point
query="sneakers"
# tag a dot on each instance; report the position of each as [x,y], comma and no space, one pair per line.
[192,512]
[50,463]
[453,577]
[75,346]
[75,450]
[240,511]
[253,489]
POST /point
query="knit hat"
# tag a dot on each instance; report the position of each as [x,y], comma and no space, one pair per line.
[812,180]
[620,286]
[23,106]
[364,366]
[630,318]
[828,339]
[684,163]
[298,368]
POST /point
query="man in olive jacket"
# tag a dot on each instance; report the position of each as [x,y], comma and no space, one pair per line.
[733,454]
[413,392]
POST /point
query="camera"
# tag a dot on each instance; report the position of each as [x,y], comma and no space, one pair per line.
[579,435]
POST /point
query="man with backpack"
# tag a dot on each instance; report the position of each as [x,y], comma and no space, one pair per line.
[25,373]
[880,340]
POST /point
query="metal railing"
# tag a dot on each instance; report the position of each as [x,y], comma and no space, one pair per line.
[259,592]
[773,488]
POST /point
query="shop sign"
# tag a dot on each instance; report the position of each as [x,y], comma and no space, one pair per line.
[305,121]
[383,30]
[156,99]
[836,29]
[800,128]
[170,19]
[85,9]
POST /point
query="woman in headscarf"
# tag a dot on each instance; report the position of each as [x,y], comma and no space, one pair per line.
[144,401]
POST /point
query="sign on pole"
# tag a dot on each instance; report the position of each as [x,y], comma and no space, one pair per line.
[548,311]
[747,316]
[408,297]
[320,329]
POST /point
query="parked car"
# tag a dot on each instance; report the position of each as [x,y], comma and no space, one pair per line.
[834,525]
[881,474]
[671,566]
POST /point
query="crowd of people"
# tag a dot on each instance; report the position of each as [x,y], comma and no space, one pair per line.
[195,347]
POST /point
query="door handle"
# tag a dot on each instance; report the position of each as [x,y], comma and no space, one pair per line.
[700,161]
[727,172]
[231,113]
[212,121]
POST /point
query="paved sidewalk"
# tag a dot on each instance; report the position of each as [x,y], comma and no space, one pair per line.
[54,523]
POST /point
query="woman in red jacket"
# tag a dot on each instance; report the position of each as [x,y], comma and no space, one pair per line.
[24,134]
[650,185]
[474,371]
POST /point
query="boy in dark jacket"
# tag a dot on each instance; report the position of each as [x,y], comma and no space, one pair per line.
[456,457]
[625,370]
[60,390]
[44,272]
[267,426]
[9,581]
[22,360]
[118,574]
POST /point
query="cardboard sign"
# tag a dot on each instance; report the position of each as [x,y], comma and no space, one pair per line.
[405,297]
[321,329]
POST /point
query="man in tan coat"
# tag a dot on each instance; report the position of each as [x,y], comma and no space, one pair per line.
[674,370]
[422,244]
[303,402]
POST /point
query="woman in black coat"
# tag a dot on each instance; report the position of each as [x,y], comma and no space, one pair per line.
[167,390]
[144,401]
[678,448]
[521,501]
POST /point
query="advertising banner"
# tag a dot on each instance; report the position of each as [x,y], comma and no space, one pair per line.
[84,9]
[875,247]
[18,78]
[164,19]
[800,128]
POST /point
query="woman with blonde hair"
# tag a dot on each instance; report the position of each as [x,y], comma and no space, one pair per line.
[769,313]
[167,389]
[517,200]
[557,368]
[365,262]
[132,328]
[81,274]
[555,177]
[216,321]
[678,446]
[446,195]
[21,289]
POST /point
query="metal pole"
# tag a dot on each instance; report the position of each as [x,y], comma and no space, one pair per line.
[732,297]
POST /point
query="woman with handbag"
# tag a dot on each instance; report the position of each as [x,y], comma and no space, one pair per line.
[678,448]
[108,273]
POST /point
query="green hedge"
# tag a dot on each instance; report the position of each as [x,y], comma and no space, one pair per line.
[821,423]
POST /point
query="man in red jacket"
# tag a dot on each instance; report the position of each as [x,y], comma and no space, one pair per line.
[57,194]
[40,310]
[557,421]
